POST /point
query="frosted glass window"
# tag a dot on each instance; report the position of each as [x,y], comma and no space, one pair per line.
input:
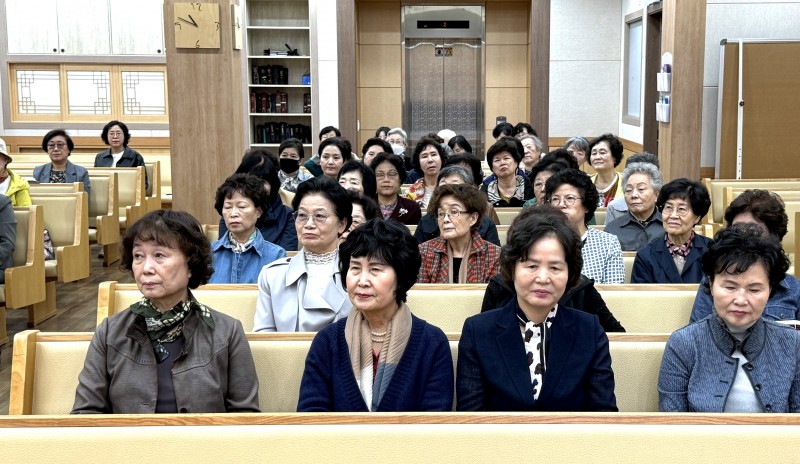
[38,92]
[633,63]
[89,92]
[143,93]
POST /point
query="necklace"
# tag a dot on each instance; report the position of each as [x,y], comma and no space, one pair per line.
[324,258]
[379,337]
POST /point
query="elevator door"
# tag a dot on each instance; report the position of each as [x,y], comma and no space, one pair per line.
[444,88]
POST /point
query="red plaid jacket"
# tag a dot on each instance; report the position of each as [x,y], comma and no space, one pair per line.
[484,259]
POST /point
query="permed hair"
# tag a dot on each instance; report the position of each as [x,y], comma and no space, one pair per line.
[689,190]
[248,186]
[765,206]
[473,199]
[330,190]
[368,182]
[424,143]
[581,181]
[614,145]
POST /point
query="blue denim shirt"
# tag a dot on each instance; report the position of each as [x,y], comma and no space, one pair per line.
[242,268]
[783,305]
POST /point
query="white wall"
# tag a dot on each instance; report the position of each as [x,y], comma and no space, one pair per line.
[327,72]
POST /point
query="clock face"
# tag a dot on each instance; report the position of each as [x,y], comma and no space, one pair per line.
[197,25]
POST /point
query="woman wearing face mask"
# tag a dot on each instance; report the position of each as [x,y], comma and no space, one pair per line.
[397,138]
[290,154]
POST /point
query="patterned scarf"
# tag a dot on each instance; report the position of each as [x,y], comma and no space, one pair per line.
[679,250]
[536,338]
[493,191]
[166,327]
[359,341]
[241,247]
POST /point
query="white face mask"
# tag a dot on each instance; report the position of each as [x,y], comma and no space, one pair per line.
[398,149]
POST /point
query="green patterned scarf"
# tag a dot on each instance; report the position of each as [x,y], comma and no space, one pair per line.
[169,323]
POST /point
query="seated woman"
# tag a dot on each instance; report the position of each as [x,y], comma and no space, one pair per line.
[676,258]
[358,177]
[364,209]
[8,236]
[167,353]
[735,360]
[59,145]
[508,188]
[579,148]
[428,227]
[459,255]
[382,357]
[584,296]
[333,153]
[119,155]
[766,210]
[573,193]
[641,223]
[389,170]
[276,224]
[374,146]
[534,354]
[533,150]
[460,145]
[240,254]
[605,155]
[305,293]
[542,171]
[13,186]
[290,155]
[428,159]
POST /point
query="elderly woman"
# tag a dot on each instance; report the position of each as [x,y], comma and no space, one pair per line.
[12,185]
[766,210]
[533,151]
[542,171]
[428,159]
[381,132]
[735,360]
[459,254]
[675,258]
[398,140]
[333,153]
[523,129]
[59,145]
[167,353]
[583,296]
[573,193]
[382,357]
[509,188]
[460,145]
[534,354]
[305,293]
[579,148]
[240,254]
[641,223]
[605,155]
[358,177]
[428,227]
[276,225]
[290,154]
[389,170]
[618,207]
[372,147]
[364,209]
[119,155]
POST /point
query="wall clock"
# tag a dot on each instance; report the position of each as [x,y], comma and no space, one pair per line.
[197,25]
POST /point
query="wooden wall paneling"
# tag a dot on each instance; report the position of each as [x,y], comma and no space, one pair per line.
[346,56]
[651,68]
[205,119]
[540,67]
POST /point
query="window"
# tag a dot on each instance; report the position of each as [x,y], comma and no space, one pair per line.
[88,93]
[632,83]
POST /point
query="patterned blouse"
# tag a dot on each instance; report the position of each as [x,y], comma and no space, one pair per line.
[602,257]
[58,177]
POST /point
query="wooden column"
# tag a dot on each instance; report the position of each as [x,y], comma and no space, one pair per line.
[540,69]
[683,30]
[348,81]
[206,121]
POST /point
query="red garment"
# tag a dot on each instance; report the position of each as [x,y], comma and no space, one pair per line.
[483,263]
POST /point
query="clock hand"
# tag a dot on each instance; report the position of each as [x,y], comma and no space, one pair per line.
[192,22]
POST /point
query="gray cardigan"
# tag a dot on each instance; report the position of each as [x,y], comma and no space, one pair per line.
[74,173]
[697,370]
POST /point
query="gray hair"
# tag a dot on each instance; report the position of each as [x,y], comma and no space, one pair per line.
[537,142]
[454,169]
[643,157]
[647,169]
[400,131]
[579,143]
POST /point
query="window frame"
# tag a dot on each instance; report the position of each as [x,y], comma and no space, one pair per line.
[630,19]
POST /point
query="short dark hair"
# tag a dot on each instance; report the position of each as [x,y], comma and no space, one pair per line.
[581,181]
[547,165]
[470,160]
[766,206]
[55,133]
[248,186]
[173,229]
[474,200]
[125,132]
[566,158]
[643,157]
[385,146]
[332,191]
[327,129]
[341,143]
[504,128]
[508,144]
[684,189]
[614,145]
[533,224]
[383,129]
[367,176]
[524,125]
[390,243]
[395,161]
[371,209]
[736,248]
[421,145]
[461,141]
[292,143]
[262,164]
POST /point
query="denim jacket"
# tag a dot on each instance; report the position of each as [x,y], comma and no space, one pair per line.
[242,268]
[783,305]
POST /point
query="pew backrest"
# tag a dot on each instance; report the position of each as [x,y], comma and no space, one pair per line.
[716,189]
[66,217]
[25,281]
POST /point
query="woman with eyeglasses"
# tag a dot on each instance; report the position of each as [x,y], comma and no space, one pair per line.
[305,293]
[59,145]
[119,155]
[389,172]
[458,254]
[167,353]
[677,258]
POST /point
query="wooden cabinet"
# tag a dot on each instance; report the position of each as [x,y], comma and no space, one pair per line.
[137,27]
[32,30]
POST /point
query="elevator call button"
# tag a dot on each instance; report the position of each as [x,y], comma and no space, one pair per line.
[443,51]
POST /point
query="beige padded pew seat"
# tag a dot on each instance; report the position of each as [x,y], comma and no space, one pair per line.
[716,188]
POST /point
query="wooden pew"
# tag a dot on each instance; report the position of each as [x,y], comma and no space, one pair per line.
[25,281]
[153,190]
[716,188]
[57,188]
[104,215]
[132,201]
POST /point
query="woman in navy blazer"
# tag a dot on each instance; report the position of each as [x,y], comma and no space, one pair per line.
[533,354]
[59,145]
[675,258]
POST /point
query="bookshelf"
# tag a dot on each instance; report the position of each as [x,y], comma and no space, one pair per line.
[278,81]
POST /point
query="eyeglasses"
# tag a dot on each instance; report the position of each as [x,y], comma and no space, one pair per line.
[667,211]
[383,175]
[569,200]
[453,213]
[53,146]
[302,218]
[538,186]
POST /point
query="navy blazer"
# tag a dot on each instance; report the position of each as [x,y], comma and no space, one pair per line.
[74,172]
[493,373]
[654,264]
